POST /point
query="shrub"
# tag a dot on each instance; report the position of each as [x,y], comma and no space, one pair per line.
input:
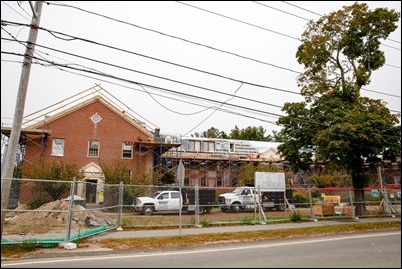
[300,199]
[295,216]
[29,245]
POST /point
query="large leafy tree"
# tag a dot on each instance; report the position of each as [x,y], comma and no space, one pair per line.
[335,125]
[247,172]
[54,176]
[214,133]
[249,133]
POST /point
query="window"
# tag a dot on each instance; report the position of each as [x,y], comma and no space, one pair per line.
[194,146]
[211,146]
[234,182]
[58,147]
[205,146]
[219,182]
[197,146]
[175,195]
[208,146]
[93,149]
[191,145]
[163,196]
[96,118]
[203,182]
[127,151]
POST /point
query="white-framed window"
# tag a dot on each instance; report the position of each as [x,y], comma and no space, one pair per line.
[93,148]
[96,118]
[127,151]
[58,147]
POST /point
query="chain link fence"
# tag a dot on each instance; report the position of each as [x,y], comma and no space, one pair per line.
[48,212]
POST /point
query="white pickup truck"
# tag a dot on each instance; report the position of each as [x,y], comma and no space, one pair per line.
[245,198]
[169,201]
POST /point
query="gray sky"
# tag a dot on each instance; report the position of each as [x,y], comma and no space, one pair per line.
[203,49]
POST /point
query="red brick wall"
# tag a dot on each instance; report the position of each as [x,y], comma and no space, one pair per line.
[77,129]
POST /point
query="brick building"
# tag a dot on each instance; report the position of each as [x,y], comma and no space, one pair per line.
[86,130]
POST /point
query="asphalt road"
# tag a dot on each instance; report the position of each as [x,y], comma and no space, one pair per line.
[356,250]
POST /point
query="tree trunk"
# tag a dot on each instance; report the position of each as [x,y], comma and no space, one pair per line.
[360,200]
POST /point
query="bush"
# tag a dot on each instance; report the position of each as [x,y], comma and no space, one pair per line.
[295,216]
[300,199]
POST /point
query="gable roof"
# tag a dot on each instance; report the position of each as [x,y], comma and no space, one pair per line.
[85,98]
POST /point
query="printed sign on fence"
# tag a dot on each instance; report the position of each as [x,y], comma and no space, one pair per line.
[270,180]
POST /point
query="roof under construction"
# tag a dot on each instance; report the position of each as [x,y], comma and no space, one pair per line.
[7,131]
[62,107]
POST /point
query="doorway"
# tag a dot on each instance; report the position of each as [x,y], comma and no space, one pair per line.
[90,190]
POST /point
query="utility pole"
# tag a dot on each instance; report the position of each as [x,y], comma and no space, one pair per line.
[13,142]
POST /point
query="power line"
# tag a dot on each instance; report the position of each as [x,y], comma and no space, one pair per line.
[70,37]
[182,39]
[175,92]
[212,112]
[160,77]
[280,10]
[257,26]
[247,23]
[293,92]
[164,61]
[315,13]
[164,78]
[120,21]
[150,86]
[5,3]
[141,84]
[76,38]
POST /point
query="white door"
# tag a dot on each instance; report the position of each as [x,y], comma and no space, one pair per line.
[174,202]
[163,201]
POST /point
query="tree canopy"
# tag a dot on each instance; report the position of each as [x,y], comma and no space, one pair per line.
[335,125]
[249,133]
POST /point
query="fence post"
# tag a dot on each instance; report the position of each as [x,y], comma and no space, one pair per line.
[70,212]
[120,212]
[3,161]
[310,200]
[197,206]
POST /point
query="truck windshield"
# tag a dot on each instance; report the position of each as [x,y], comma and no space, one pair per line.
[238,190]
[155,194]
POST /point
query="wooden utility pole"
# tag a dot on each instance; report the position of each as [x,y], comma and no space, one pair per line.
[13,142]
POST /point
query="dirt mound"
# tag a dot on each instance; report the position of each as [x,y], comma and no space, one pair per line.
[53,217]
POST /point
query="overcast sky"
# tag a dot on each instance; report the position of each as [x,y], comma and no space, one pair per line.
[195,55]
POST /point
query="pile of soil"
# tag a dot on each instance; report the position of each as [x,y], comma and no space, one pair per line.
[53,217]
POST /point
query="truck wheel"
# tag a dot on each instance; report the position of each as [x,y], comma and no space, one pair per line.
[200,210]
[148,210]
[280,207]
[236,208]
